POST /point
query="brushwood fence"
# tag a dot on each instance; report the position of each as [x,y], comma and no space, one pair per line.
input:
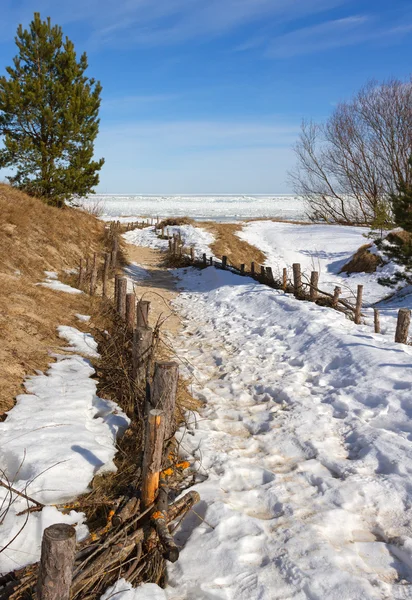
[140,523]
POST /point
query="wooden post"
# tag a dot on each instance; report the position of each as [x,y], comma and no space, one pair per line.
[114,253]
[402,326]
[121,296]
[86,270]
[284,279]
[93,276]
[116,288]
[211,261]
[314,283]
[80,283]
[164,390]
[159,519]
[252,269]
[376,320]
[170,245]
[242,269]
[56,564]
[297,279]
[106,274]
[336,295]
[142,346]
[269,274]
[192,254]
[358,308]
[142,313]
[130,311]
[224,262]
[204,259]
[152,459]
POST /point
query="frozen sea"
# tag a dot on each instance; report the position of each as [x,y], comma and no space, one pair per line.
[207,207]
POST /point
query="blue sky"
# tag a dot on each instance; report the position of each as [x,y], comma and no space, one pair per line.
[207,96]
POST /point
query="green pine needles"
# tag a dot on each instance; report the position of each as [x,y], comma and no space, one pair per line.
[49,116]
[402,205]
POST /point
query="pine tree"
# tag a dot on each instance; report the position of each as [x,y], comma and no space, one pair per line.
[49,116]
[402,205]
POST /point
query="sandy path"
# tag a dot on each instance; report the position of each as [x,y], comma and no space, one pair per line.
[159,288]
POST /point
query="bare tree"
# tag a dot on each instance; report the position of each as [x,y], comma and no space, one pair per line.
[349,166]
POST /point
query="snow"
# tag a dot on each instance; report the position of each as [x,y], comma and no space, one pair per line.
[55,439]
[197,237]
[84,343]
[53,283]
[303,450]
[323,248]
[123,590]
[216,207]
[83,318]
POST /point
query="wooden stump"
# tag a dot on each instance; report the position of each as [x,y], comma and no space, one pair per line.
[164,390]
[402,326]
[376,320]
[358,309]
[56,564]
[142,313]
[297,279]
[121,296]
[314,284]
[152,459]
[130,311]
[142,348]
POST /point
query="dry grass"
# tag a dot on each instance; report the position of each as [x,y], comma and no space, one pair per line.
[362,261]
[175,221]
[227,243]
[35,237]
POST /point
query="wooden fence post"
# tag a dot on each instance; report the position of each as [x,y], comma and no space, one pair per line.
[80,283]
[121,296]
[269,274]
[358,308]
[242,269]
[93,276]
[224,262]
[116,288]
[152,459]
[285,279]
[142,313]
[211,261]
[402,325]
[130,311]
[336,295]
[262,272]
[252,269]
[314,283]
[142,347]
[114,253]
[204,259]
[164,390]
[106,274]
[297,279]
[192,254]
[56,564]
[376,320]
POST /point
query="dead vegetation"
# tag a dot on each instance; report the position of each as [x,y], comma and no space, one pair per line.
[171,221]
[227,243]
[363,261]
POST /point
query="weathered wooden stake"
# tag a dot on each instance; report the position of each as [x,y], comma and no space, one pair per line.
[269,274]
[81,275]
[284,279]
[224,262]
[314,283]
[402,326]
[336,294]
[242,269]
[130,311]
[358,309]
[376,320]
[192,254]
[164,390]
[106,271]
[142,346]
[204,259]
[252,268]
[116,288]
[263,272]
[121,296]
[152,459]
[56,564]
[211,261]
[297,279]
[142,313]
[93,276]
[114,253]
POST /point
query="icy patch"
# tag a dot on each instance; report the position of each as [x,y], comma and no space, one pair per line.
[51,274]
[83,318]
[53,283]
[306,442]
[81,342]
[122,590]
[55,439]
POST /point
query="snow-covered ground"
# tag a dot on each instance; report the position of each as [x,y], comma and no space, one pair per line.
[55,439]
[306,442]
[197,237]
[198,207]
[323,248]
